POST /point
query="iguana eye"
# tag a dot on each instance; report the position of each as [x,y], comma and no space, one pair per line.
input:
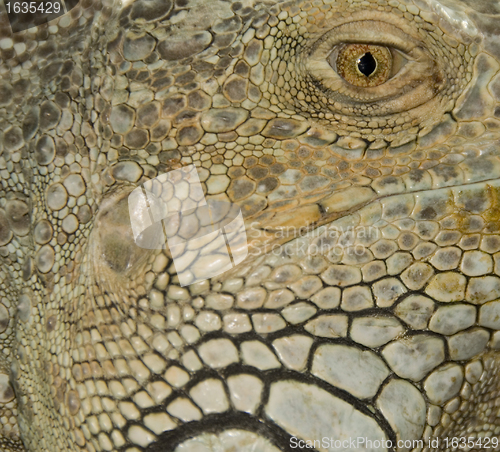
[366,65]
[372,68]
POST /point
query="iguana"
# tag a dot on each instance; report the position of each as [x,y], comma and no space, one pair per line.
[360,142]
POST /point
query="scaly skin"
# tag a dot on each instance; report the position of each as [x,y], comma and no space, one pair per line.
[388,331]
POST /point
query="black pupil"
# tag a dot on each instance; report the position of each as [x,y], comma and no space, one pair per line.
[367,64]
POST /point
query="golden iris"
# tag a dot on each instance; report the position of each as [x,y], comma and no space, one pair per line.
[364,65]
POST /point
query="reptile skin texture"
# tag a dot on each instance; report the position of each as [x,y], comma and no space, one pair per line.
[361,141]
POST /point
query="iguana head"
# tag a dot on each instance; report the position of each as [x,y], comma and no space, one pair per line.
[357,144]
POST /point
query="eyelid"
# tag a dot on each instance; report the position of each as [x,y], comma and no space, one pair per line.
[399,61]
[374,32]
